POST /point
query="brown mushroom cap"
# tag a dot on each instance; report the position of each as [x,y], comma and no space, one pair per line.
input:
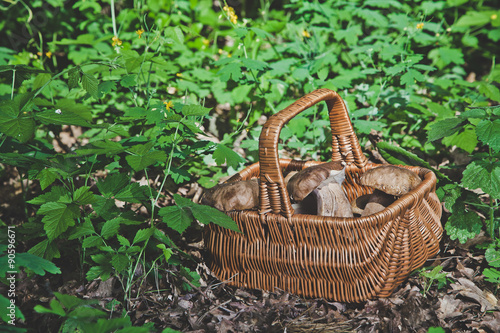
[391,179]
[305,181]
[238,195]
[377,202]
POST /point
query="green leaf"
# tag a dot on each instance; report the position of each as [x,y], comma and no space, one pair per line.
[176,217]
[55,308]
[411,77]
[40,80]
[90,84]
[473,18]
[15,118]
[133,192]
[252,64]
[56,194]
[119,262]
[92,241]
[223,154]
[5,303]
[110,228]
[85,229]
[179,176]
[113,184]
[143,234]
[45,249]
[207,214]
[106,87]
[483,174]
[58,217]
[83,196]
[38,265]
[166,252]
[466,139]
[492,275]
[123,241]
[194,110]
[70,302]
[74,76]
[47,177]
[489,133]
[445,127]
[463,225]
[232,70]
[142,157]
[492,255]
[129,81]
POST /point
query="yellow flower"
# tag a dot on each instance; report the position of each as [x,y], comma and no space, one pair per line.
[178,74]
[140,32]
[168,105]
[116,41]
[232,15]
[205,42]
[48,54]
[306,33]
[420,26]
[493,17]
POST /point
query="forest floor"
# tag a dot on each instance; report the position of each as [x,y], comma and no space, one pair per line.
[465,303]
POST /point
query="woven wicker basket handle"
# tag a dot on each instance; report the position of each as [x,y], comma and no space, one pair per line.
[345,147]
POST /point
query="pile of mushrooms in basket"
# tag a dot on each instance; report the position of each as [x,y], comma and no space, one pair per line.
[317,190]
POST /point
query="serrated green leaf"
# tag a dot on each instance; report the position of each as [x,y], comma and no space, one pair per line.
[46,177]
[106,87]
[166,252]
[133,192]
[74,76]
[223,154]
[90,84]
[252,64]
[123,241]
[119,262]
[83,196]
[176,217]
[489,133]
[463,225]
[45,249]
[412,76]
[179,176]
[16,119]
[56,194]
[492,275]
[483,174]
[113,184]
[231,70]
[493,257]
[466,139]
[70,302]
[142,157]
[58,217]
[194,110]
[444,127]
[92,241]
[207,214]
[85,229]
[142,235]
[129,81]
[110,228]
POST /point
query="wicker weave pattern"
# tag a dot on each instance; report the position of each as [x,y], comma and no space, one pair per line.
[343,259]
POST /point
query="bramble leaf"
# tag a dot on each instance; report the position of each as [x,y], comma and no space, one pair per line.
[463,225]
[483,174]
[90,84]
[444,127]
[489,133]
[207,214]
[176,217]
[58,217]
[223,154]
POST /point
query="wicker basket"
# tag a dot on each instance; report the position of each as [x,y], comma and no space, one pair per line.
[341,259]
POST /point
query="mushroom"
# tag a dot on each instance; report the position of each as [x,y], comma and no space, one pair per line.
[301,184]
[388,181]
[391,179]
[238,195]
[317,190]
